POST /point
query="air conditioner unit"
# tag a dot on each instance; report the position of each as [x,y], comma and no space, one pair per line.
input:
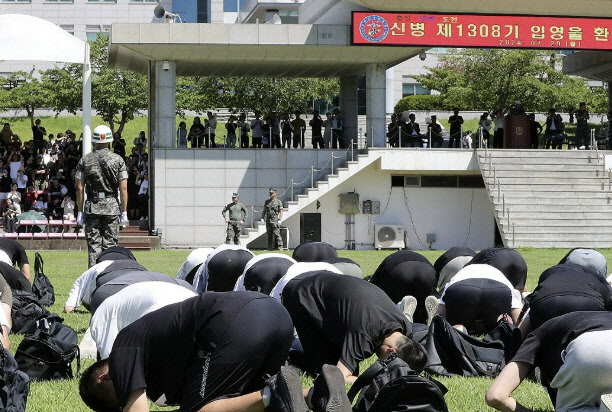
[389,237]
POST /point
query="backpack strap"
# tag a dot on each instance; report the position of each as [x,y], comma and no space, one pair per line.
[365,378]
[38,265]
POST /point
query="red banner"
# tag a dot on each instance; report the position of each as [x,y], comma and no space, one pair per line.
[478,30]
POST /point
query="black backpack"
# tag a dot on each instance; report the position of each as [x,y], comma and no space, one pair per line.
[451,352]
[26,310]
[48,349]
[14,384]
[42,287]
[392,386]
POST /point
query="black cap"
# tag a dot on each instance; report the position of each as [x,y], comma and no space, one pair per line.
[115,253]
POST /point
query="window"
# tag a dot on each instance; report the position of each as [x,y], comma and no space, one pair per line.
[438,181]
[411,89]
[471,182]
[68,27]
[59,1]
[102,1]
[397,181]
[15,1]
[94,30]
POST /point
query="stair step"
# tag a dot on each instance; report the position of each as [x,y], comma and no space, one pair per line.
[545,174]
[559,244]
[567,237]
[559,230]
[536,207]
[530,194]
[548,187]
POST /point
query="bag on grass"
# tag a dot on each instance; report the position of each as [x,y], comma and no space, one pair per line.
[451,352]
[26,310]
[48,349]
[14,384]
[42,287]
[392,386]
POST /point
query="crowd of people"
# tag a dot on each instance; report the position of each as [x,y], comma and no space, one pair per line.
[273,130]
[407,133]
[38,174]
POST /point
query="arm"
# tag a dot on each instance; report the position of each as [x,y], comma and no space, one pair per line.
[80,188]
[137,402]
[280,213]
[25,269]
[498,395]
[348,376]
[246,214]
[124,194]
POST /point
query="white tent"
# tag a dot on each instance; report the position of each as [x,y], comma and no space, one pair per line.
[29,38]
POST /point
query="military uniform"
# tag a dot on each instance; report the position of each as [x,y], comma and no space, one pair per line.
[100,172]
[272,210]
[236,211]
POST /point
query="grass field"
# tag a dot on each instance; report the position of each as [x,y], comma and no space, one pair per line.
[465,394]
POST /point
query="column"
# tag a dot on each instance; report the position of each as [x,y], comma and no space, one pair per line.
[375,105]
[609,95]
[162,104]
[390,85]
[348,106]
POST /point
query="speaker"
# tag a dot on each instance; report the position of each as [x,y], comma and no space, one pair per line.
[310,227]
[159,11]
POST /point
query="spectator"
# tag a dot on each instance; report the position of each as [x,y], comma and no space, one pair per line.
[39,175]
[327,124]
[38,134]
[71,156]
[257,130]
[196,133]
[317,136]
[55,210]
[582,126]
[119,144]
[467,140]
[485,124]
[609,116]
[6,134]
[435,132]
[455,121]
[553,134]
[143,197]
[45,156]
[414,131]
[535,129]
[230,126]
[68,206]
[210,129]
[299,128]
[276,130]
[268,126]
[41,204]
[16,164]
[29,198]
[336,128]
[141,139]
[133,184]
[5,186]
[10,214]
[393,131]
[244,128]
[181,135]
[17,142]
[57,190]
[286,130]
[21,181]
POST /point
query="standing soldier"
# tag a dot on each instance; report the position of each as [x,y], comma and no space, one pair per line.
[235,219]
[99,174]
[273,214]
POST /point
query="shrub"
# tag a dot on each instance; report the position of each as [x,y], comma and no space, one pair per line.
[419,102]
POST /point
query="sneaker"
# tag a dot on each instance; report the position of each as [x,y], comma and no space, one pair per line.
[606,402]
[461,328]
[286,393]
[329,391]
[431,306]
[143,218]
[408,306]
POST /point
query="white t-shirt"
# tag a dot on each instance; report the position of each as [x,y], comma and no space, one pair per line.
[484,272]
[129,305]
[83,287]
[195,258]
[144,187]
[296,270]
[14,166]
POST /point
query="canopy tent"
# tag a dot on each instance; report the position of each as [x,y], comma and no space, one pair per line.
[29,38]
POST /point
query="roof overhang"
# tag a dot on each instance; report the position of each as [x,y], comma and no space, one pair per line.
[596,65]
[569,8]
[287,50]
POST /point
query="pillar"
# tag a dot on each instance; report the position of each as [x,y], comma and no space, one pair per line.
[376,105]
[86,148]
[162,104]
[390,84]
[609,96]
[348,106]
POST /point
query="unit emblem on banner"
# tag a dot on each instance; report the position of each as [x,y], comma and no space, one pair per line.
[519,131]
[374,28]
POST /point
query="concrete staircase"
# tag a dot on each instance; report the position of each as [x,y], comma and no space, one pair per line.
[347,171]
[549,198]
[135,236]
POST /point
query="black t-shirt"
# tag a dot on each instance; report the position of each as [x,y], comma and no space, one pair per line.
[543,347]
[37,134]
[393,260]
[316,124]
[14,250]
[353,315]
[154,352]
[455,127]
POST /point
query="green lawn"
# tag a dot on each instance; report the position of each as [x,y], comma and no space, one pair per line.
[465,394]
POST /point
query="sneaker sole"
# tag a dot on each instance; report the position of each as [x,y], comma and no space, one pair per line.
[431,306]
[410,304]
[338,399]
[293,386]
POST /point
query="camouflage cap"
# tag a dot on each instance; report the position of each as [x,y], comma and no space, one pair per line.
[272,190]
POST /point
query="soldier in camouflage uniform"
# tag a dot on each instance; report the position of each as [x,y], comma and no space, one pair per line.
[237,215]
[99,174]
[273,214]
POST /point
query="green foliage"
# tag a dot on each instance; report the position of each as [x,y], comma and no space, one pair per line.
[488,79]
[28,93]
[419,102]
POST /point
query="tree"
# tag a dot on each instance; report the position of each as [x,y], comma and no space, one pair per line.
[117,95]
[25,92]
[488,79]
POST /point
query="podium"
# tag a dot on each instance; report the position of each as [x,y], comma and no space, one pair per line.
[517,132]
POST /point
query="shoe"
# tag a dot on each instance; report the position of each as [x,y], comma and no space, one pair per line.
[431,306]
[286,393]
[460,328]
[606,402]
[143,218]
[329,391]
[408,306]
